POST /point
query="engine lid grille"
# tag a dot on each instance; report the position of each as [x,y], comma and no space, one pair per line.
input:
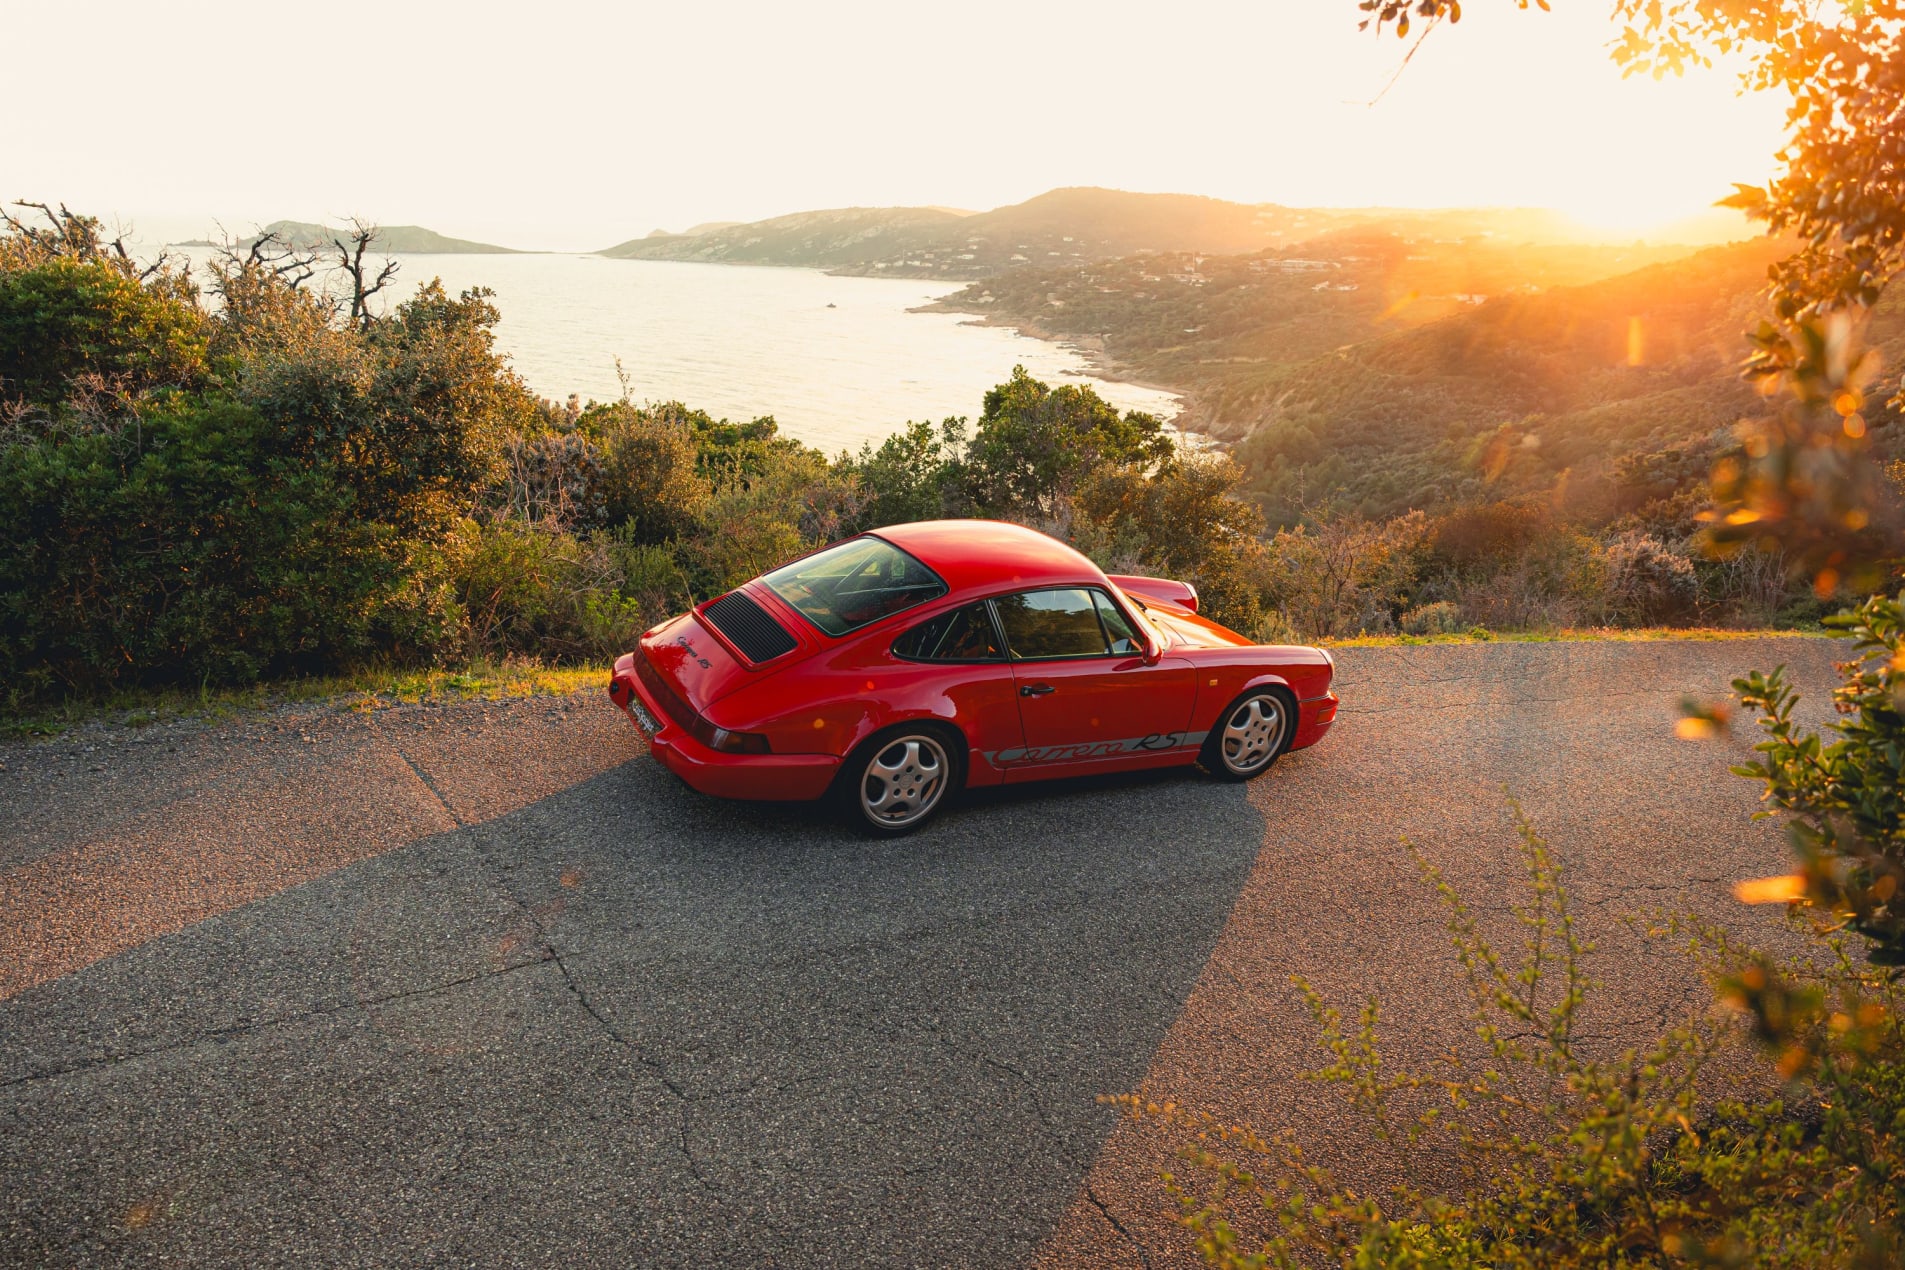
[749,628]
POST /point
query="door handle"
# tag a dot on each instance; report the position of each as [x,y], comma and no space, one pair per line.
[1035,690]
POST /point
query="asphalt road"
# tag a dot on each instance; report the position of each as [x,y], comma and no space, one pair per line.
[483,985]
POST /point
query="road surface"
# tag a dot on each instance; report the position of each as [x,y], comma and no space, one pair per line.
[482,985]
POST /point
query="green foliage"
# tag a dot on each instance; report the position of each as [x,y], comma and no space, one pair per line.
[1184,521]
[1841,192]
[1438,618]
[1346,576]
[915,474]
[193,542]
[1808,482]
[65,320]
[527,587]
[1034,444]
[1845,795]
[651,470]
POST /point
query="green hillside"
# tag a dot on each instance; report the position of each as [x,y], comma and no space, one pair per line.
[1374,373]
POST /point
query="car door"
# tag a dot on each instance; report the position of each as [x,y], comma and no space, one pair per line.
[1087,700]
[954,664]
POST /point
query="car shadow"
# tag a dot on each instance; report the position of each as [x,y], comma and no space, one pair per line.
[629,1023]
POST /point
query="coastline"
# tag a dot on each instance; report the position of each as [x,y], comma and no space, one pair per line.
[1103,366]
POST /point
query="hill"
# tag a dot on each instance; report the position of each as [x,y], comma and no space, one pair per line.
[1061,227]
[402,239]
[1379,373]
[847,239]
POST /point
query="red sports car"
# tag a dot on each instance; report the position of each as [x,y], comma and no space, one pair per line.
[891,670]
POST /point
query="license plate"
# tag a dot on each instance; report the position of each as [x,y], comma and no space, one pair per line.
[644,720]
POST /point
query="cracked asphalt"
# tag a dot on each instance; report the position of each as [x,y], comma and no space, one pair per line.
[483,985]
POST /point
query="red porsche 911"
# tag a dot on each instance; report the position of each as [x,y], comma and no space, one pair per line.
[892,670]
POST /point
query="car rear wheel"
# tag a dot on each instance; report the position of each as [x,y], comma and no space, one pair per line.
[899,779]
[1250,735]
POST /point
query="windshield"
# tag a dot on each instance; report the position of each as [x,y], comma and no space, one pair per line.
[857,582]
[1161,637]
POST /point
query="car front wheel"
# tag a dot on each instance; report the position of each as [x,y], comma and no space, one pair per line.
[900,779]
[1250,735]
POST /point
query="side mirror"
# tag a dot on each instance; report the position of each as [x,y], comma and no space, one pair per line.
[1153,653]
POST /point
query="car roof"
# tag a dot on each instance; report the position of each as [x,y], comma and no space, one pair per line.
[990,555]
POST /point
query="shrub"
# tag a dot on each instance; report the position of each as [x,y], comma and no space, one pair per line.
[533,589]
[64,320]
[1649,583]
[915,474]
[1034,444]
[1182,521]
[1439,618]
[1846,794]
[191,542]
[1345,575]
[651,482]
[651,573]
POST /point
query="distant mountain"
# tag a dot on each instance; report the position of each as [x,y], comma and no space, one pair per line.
[1060,226]
[403,239]
[846,240]
[1064,227]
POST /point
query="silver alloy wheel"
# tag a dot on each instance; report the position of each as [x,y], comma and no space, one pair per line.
[904,781]
[1252,734]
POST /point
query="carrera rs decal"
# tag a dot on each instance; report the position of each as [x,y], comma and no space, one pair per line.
[1155,742]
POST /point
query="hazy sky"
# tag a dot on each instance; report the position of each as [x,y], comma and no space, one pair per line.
[577,123]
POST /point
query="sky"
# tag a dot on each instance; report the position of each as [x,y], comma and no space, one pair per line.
[576,124]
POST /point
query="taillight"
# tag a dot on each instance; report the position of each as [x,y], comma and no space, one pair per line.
[736,742]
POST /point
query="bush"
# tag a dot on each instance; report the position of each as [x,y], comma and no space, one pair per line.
[1347,575]
[533,589]
[651,482]
[1034,444]
[65,320]
[1439,618]
[1649,583]
[189,543]
[1182,521]
[1846,794]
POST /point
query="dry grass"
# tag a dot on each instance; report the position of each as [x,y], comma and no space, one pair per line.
[369,689]
[1609,634]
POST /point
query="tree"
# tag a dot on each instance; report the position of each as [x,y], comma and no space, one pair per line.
[351,249]
[915,473]
[1034,443]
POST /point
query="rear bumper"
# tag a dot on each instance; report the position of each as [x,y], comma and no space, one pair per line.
[1313,719]
[761,777]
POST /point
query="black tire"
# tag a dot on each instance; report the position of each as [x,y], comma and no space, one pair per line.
[1243,746]
[915,794]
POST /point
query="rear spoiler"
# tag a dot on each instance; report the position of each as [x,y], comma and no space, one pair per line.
[1170,591]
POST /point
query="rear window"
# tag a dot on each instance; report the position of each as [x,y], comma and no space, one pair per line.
[855,583]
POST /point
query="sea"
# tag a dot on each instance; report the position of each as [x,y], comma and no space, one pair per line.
[836,361]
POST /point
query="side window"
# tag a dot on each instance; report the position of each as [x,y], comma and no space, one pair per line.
[961,635]
[1045,624]
[1123,639]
